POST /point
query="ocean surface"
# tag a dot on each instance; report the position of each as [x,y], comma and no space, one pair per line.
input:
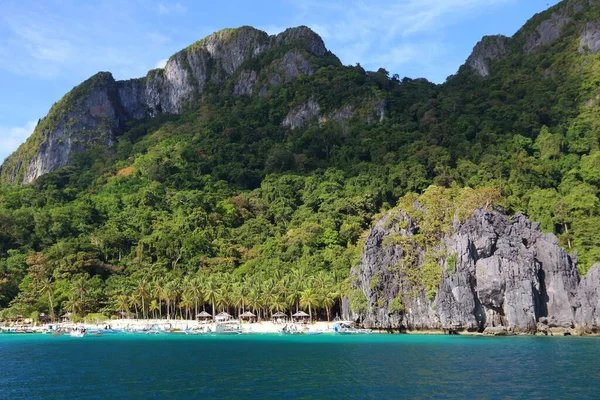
[309,367]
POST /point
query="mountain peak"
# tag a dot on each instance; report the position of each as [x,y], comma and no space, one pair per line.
[228,60]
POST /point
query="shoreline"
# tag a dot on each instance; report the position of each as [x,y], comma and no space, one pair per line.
[263,327]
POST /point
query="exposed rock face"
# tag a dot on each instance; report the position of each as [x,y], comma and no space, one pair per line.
[496,272]
[490,48]
[590,39]
[587,316]
[98,115]
[372,110]
[87,116]
[302,115]
[546,31]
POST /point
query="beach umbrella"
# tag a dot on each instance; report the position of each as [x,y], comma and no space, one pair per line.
[247,314]
[223,316]
[203,314]
[300,314]
[279,314]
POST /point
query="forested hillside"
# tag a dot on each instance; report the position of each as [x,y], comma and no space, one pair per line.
[257,191]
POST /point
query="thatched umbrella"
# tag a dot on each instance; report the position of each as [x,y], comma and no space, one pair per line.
[278,316]
[203,316]
[300,314]
[248,315]
[223,316]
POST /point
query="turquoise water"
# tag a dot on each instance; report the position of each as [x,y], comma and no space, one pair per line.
[327,367]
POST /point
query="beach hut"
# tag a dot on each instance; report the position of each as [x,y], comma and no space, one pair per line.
[66,317]
[223,317]
[279,317]
[44,318]
[300,315]
[248,316]
[203,317]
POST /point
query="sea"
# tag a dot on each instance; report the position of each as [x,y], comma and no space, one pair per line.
[305,367]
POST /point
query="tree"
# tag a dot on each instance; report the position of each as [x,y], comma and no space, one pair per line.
[309,300]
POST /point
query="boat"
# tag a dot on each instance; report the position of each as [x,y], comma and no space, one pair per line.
[290,329]
[232,327]
[346,328]
[77,333]
[202,330]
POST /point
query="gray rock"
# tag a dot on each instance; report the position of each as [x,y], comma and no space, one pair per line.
[547,31]
[490,48]
[302,115]
[587,315]
[590,39]
[87,117]
[245,84]
[506,273]
[495,331]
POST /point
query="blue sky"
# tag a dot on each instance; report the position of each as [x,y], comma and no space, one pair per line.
[47,47]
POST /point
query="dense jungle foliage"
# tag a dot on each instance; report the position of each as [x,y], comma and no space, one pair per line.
[223,207]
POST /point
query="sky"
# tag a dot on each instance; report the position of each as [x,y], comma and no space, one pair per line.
[48,47]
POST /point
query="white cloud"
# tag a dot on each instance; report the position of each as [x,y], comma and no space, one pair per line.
[173,8]
[161,63]
[12,137]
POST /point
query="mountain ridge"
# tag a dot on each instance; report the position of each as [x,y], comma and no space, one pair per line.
[100,99]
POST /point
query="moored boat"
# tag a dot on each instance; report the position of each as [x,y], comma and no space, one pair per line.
[345,328]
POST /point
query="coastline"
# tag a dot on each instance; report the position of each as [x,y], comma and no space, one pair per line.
[264,327]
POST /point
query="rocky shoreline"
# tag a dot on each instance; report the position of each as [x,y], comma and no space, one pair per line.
[500,275]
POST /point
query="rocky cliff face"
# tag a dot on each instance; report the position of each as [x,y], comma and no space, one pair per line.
[497,274]
[94,112]
[490,48]
[540,31]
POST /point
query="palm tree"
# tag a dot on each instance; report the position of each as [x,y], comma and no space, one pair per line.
[142,292]
[211,292]
[255,301]
[73,303]
[196,290]
[328,298]
[172,293]
[122,303]
[157,287]
[46,289]
[187,303]
[133,302]
[153,307]
[278,303]
[166,296]
[309,299]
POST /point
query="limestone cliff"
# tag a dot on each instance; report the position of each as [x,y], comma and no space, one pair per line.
[94,113]
[539,32]
[498,273]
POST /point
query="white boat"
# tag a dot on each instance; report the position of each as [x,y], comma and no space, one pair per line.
[228,328]
[345,328]
[77,333]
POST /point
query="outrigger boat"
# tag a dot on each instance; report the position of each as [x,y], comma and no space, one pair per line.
[346,328]
[77,332]
[228,328]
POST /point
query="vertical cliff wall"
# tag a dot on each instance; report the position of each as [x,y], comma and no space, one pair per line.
[496,272]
